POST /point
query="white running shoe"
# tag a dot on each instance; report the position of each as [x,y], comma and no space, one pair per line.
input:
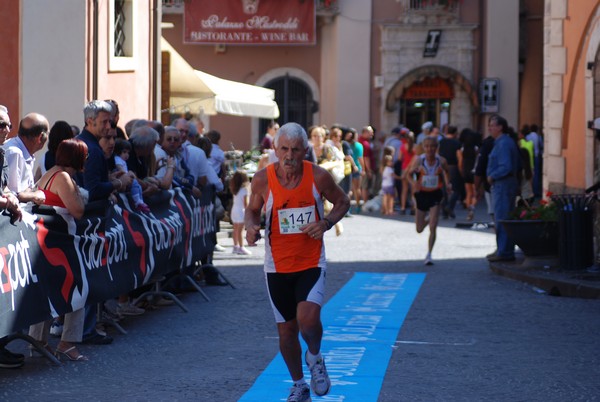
[319,379]
[299,394]
[428,260]
[219,248]
[243,251]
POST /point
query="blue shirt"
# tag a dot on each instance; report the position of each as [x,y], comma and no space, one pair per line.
[504,158]
[217,158]
[95,174]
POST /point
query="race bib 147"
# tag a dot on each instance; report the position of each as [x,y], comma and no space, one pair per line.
[292,219]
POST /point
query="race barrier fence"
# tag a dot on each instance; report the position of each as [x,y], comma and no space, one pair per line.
[52,264]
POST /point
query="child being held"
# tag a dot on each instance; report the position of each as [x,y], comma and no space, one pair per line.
[122,150]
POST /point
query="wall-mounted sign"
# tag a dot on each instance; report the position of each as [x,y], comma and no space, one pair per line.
[429,88]
[489,90]
[432,43]
[249,22]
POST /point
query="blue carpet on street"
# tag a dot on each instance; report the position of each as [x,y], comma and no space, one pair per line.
[361,324]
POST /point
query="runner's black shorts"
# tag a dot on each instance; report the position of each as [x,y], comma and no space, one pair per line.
[428,199]
[287,290]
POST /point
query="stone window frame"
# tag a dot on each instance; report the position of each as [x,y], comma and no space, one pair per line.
[129,61]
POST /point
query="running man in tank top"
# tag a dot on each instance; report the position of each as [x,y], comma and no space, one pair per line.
[292,190]
[430,175]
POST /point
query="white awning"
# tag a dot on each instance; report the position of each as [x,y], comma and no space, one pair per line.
[198,91]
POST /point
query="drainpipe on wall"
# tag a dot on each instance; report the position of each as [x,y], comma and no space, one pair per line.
[481,126]
[95,51]
[155,61]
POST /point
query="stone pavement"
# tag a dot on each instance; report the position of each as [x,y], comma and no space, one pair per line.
[545,274]
[555,282]
[469,335]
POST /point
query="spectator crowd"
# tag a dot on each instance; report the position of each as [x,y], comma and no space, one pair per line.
[94,164]
[426,175]
[385,173]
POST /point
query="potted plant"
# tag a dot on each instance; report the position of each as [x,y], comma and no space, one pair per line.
[534,227]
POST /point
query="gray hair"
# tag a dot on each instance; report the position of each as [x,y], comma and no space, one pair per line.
[158,126]
[138,124]
[3,109]
[144,137]
[94,108]
[294,132]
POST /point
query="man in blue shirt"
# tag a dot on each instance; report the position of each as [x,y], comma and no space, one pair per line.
[503,165]
[95,176]
[217,156]
[95,179]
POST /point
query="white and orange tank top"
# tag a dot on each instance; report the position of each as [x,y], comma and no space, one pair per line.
[287,249]
[430,176]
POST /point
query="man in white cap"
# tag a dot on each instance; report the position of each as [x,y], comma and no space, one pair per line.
[426,127]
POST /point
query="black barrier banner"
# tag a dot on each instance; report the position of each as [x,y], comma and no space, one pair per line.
[52,264]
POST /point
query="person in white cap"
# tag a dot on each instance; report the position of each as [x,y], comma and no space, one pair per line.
[426,127]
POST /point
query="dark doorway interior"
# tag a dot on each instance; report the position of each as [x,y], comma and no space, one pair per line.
[295,101]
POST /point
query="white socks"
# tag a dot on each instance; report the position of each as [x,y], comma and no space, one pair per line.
[312,359]
[300,382]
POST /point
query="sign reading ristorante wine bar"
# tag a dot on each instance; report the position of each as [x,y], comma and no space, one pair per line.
[250,22]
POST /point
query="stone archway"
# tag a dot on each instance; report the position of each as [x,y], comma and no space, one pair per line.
[592,111]
[465,115]
[296,73]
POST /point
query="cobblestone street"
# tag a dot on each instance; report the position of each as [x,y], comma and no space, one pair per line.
[469,335]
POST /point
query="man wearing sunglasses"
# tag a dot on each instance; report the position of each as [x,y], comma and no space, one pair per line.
[10,203]
[5,125]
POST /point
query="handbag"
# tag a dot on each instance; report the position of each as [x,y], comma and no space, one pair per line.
[335,168]
[347,168]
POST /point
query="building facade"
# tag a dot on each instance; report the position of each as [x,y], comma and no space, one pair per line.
[571,94]
[60,54]
[388,62]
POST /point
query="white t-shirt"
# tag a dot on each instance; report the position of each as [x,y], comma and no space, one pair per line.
[387,177]
[237,210]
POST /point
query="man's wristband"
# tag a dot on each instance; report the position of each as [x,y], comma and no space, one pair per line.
[328,223]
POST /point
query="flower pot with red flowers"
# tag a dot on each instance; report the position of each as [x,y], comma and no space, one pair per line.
[534,228]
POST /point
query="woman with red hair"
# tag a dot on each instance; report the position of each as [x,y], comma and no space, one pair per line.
[60,190]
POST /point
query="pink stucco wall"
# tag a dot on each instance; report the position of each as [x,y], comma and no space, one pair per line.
[131,89]
[576,35]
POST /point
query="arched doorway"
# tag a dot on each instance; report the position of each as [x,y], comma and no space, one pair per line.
[433,93]
[596,147]
[295,100]
[426,100]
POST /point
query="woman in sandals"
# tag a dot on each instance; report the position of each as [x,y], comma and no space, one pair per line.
[61,191]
